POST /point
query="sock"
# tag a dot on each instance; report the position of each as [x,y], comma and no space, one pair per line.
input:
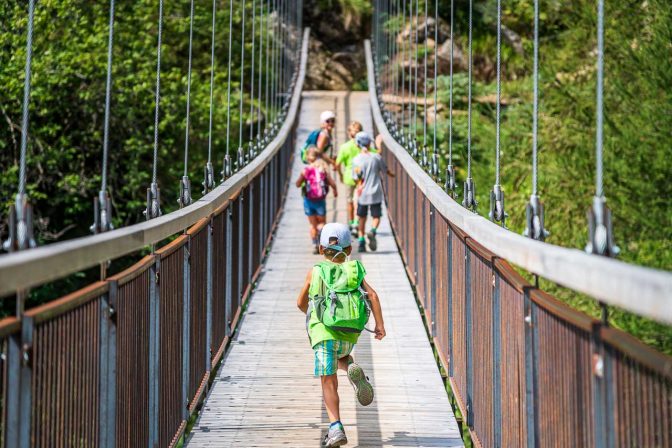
[336,423]
[362,239]
[373,230]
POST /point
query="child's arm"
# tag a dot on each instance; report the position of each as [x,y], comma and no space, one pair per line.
[302,301]
[300,180]
[375,309]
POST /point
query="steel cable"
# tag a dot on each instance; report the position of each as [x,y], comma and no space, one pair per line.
[415,78]
[254,41]
[436,87]
[262,74]
[241,88]
[186,130]
[212,77]
[228,87]
[403,73]
[424,121]
[470,63]
[599,190]
[535,112]
[499,90]
[26,98]
[157,99]
[108,94]
[450,87]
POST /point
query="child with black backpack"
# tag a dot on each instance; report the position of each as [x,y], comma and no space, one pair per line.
[315,181]
[337,302]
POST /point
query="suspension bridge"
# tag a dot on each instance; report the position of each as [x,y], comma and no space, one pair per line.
[200,343]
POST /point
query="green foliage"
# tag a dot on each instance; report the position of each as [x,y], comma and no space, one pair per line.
[67,107]
[637,131]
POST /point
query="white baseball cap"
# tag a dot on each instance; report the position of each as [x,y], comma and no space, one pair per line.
[363,139]
[327,115]
[335,231]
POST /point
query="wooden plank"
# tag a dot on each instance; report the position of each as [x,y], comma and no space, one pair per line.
[265,394]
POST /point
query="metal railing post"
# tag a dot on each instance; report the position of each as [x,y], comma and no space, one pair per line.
[27,329]
[601,385]
[531,358]
[496,360]
[108,366]
[469,339]
[229,273]
[154,353]
[13,400]
[432,263]
[250,236]
[241,248]
[186,324]
[208,298]
[450,302]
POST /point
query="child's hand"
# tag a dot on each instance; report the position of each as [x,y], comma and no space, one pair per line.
[380,331]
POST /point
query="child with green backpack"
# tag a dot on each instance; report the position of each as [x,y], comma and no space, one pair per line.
[337,302]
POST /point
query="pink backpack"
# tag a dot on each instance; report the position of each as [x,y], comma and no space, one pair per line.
[316,182]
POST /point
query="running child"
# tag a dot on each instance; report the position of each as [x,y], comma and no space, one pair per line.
[368,168]
[335,295]
[315,181]
[346,153]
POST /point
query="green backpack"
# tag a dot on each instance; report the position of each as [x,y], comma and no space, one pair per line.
[337,297]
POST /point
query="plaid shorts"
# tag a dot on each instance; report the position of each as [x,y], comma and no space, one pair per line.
[327,354]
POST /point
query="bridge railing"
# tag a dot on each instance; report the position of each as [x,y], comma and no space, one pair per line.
[525,368]
[126,361]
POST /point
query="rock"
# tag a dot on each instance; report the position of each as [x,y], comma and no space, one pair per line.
[426,29]
[459,58]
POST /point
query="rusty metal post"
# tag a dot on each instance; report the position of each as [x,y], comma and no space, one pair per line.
[186,324]
[432,263]
[496,359]
[229,273]
[108,366]
[154,352]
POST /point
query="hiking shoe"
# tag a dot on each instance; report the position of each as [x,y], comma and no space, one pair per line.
[335,437]
[363,389]
[362,246]
[373,244]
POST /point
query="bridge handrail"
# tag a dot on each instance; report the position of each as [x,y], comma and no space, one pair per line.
[643,291]
[22,270]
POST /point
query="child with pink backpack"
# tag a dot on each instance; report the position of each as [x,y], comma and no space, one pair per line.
[315,181]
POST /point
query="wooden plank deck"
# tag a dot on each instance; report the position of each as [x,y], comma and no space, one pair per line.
[265,394]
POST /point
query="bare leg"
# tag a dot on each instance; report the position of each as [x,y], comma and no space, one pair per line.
[375,222]
[351,212]
[343,363]
[330,394]
[313,220]
[362,226]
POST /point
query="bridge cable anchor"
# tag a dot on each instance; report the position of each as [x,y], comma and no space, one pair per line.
[20,226]
[534,227]
[469,201]
[226,169]
[241,159]
[450,185]
[102,213]
[497,211]
[208,178]
[153,209]
[185,192]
